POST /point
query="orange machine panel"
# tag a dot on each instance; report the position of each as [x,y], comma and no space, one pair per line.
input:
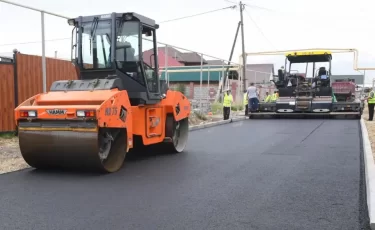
[67,101]
[173,99]
[116,112]
[154,122]
[149,123]
[111,108]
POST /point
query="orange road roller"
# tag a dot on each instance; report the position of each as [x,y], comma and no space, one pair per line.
[117,105]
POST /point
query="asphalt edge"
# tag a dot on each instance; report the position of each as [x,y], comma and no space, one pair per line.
[216,123]
[370,174]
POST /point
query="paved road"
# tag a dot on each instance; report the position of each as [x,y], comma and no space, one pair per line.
[262,174]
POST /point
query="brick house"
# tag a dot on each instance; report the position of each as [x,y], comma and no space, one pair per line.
[175,57]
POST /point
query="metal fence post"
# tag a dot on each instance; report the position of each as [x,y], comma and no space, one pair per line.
[225,79]
[364,82]
[44,68]
[200,87]
[208,85]
[240,84]
[166,65]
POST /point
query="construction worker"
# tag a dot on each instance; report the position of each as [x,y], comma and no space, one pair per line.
[245,102]
[275,96]
[268,97]
[252,94]
[371,104]
[227,104]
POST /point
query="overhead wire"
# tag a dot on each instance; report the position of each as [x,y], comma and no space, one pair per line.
[259,29]
[171,20]
[195,15]
[35,42]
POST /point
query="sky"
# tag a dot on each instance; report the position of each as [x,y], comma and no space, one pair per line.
[270,25]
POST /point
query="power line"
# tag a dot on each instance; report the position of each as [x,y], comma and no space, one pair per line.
[24,43]
[190,16]
[252,6]
[259,7]
[194,15]
[259,29]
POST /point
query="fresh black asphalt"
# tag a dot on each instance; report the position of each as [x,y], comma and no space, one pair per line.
[253,174]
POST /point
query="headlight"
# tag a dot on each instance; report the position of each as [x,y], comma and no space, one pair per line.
[30,113]
[85,113]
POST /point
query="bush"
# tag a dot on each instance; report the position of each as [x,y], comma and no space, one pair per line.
[237,107]
[181,88]
[217,108]
[200,115]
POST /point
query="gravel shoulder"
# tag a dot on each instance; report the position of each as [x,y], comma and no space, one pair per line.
[370,125]
[10,156]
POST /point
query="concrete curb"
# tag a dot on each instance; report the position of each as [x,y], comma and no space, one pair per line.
[216,123]
[370,174]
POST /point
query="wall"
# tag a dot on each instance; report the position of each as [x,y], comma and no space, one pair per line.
[6,97]
[29,82]
[30,75]
[358,79]
[192,90]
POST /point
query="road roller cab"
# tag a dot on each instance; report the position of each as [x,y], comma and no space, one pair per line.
[117,104]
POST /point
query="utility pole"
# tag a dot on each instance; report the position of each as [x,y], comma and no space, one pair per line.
[242,6]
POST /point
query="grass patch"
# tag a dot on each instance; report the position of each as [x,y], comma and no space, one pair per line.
[237,107]
[7,135]
[217,108]
[200,115]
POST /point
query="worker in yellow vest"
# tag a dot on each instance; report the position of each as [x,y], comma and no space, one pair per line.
[268,98]
[275,96]
[371,104]
[227,104]
[246,102]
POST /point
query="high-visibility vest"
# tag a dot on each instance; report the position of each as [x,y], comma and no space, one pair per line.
[245,99]
[268,98]
[227,102]
[371,97]
[274,97]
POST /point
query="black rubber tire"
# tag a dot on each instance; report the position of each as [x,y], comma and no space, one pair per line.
[170,129]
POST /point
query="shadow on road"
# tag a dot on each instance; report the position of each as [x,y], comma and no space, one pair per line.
[134,156]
